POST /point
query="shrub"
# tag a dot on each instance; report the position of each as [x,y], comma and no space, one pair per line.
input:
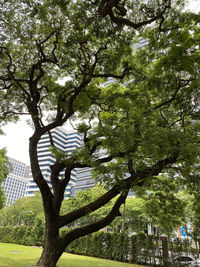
[13,234]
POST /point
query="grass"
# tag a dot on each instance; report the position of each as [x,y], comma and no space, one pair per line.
[12,255]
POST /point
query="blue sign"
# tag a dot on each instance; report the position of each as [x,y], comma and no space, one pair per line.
[181,232]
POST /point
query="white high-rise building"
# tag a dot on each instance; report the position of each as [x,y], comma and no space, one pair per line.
[16,182]
[84,180]
[66,142]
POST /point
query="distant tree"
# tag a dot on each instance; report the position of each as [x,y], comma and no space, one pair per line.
[191,184]
[133,219]
[22,212]
[164,206]
[38,230]
[142,121]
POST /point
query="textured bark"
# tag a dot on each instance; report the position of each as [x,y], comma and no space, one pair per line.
[55,245]
[53,248]
[50,256]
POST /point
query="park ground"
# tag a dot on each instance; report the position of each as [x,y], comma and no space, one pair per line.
[13,255]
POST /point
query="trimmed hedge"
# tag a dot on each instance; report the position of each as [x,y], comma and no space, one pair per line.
[23,235]
[139,249]
[11,234]
[118,246]
[113,246]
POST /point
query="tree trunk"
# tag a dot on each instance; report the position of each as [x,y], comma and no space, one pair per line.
[52,251]
[123,218]
[50,256]
[165,251]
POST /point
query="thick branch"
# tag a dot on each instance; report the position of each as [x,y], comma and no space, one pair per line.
[123,21]
[37,175]
[137,178]
[76,214]
[59,185]
[179,86]
[55,171]
[106,9]
[93,227]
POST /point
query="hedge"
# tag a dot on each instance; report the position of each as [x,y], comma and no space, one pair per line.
[23,235]
[139,249]
[118,246]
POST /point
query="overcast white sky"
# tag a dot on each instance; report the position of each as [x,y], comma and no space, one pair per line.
[16,140]
[194,5]
[17,135]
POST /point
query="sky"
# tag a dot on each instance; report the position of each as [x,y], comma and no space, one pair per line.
[16,140]
[194,5]
[17,135]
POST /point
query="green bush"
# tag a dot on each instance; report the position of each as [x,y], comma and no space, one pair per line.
[134,249]
[28,239]
[113,246]
[23,235]
[37,232]
[118,246]
[13,234]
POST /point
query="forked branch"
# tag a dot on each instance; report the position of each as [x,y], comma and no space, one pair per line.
[95,226]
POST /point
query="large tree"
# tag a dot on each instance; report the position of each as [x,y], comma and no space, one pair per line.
[133,129]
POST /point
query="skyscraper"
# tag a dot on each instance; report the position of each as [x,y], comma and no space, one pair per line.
[16,182]
[66,142]
[83,180]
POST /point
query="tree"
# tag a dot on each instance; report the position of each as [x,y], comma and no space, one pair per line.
[133,219]
[164,206]
[3,174]
[138,121]
[23,212]
[190,183]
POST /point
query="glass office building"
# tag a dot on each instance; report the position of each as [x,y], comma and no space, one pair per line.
[66,142]
[16,182]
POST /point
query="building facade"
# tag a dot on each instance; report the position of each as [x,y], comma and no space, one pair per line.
[83,180]
[65,142]
[16,182]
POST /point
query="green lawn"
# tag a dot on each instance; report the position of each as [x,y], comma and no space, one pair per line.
[12,255]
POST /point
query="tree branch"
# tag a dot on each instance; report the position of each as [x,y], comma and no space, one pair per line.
[106,9]
[180,84]
[137,178]
[93,227]
[111,75]
[76,214]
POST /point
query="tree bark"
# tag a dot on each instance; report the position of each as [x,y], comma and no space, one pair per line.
[50,256]
[55,245]
[53,249]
